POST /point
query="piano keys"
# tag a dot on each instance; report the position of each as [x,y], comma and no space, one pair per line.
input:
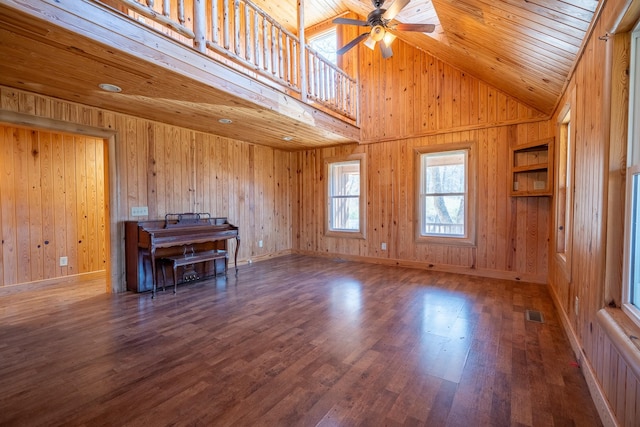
[146,242]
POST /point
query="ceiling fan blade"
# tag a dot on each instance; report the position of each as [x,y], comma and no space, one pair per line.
[423,28]
[347,21]
[394,9]
[352,43]
[386,50]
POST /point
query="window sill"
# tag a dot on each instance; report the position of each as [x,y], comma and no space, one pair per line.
[449,241]
[624,334]
[345,234]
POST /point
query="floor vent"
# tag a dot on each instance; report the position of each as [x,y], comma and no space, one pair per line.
[535,316]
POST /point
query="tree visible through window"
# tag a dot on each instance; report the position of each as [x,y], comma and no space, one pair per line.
[443,193]
[325,44]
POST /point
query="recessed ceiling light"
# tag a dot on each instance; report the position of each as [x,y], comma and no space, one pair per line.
[288,138]
[108,87]
[225,121]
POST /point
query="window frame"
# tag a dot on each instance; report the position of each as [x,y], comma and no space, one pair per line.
[469,237]
[361,233]
[567,128]
[627,306]
[633,169]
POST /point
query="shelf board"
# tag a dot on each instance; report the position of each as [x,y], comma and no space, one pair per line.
[530,168]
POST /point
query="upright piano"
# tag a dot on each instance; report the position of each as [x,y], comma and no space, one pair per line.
[148,242]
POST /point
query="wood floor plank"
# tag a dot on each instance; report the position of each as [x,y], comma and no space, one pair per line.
[291,341]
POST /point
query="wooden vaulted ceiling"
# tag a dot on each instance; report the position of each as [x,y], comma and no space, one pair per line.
[525,48]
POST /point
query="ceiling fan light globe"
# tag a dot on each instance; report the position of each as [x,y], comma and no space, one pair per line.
[370,43]
[388,38]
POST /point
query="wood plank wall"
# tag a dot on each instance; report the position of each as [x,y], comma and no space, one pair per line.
[169,169]
[414,100]
[580,288]
[53,205]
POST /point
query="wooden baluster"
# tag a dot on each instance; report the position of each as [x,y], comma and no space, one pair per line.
[288,60]
[225,24]
[274,59]
[247,32]
[150,3]
[280,54]
[256,38]
[214,22]
[295,77]
[265,43]
[166,7]
[236,29]
[181,11]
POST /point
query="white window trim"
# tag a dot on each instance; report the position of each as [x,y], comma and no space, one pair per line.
[469,238]
[633,168]
[632,311]
[564,259]
[361,233]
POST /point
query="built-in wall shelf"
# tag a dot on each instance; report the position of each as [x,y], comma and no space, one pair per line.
[532,169]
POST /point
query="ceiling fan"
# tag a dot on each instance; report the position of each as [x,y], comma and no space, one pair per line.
[378,19]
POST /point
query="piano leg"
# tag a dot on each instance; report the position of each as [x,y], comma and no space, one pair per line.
[235,257]
[153,273]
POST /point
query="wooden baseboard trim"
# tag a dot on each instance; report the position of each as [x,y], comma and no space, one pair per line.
[444,268]
[66,280]
[607,416]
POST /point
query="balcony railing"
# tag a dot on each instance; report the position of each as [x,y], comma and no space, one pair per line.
[240,32]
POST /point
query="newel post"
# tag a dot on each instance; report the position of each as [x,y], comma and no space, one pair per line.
[200,25]
[303,52]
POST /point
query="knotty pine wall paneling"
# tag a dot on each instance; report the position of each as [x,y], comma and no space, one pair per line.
[166,168]
[413,100]
[53,204]
[580,296]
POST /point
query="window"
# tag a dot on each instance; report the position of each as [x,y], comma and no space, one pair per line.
[631,289]
[326,45]
[564,190]
[445,202]
[345,197]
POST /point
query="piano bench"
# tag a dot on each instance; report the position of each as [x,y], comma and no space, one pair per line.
[182,260]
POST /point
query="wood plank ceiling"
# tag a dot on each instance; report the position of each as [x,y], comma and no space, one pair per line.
[525,48]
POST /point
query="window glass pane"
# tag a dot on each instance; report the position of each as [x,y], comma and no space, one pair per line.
[444,192]
[345,213]
[445,173]
[444,215]
[325,44]
[344,196]
[345,179]
[634,264]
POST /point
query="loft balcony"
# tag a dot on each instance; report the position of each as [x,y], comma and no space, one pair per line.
[187,63]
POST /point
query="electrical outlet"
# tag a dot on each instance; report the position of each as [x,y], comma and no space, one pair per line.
[140,211]
[64,261]
[576,306]
[539,185]
[259,243]
[383,246]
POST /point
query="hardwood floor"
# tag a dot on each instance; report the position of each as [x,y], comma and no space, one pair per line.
[293,341]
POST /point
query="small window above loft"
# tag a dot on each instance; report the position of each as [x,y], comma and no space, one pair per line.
[325,44]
